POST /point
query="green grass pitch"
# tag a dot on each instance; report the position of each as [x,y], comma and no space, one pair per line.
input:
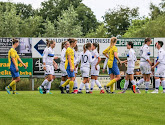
[32,108]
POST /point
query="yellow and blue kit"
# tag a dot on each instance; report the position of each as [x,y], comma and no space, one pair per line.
[13,54]
[112,61]
[69,52]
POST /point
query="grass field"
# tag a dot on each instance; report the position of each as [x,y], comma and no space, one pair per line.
[82,109]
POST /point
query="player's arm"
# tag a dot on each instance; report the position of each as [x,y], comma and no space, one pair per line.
[22,62]
[105,52]
[116,56]
[70,63]
[78,60]
[55,65]
[159,60]
[14,62]
[91,59]
[44,60]
[145,56]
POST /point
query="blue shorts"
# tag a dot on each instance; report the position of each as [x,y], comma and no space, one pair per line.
[14,73]
[114,70]
[70,74]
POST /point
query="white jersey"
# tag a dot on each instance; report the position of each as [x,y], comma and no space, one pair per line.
[86,59]
[48,56]
[145,53]
[75,57]
[94,52]
[131,58]
[63,56]
[161,57]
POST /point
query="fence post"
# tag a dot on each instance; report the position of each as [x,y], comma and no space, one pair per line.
[32,84]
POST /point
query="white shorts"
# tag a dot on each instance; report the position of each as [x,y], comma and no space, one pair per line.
[76,70]
[85,72]
[95,72]
[130,71]
[49,70]
[63,70]
[160,72]
[145,68]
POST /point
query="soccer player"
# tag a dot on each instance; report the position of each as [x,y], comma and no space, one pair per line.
[160,64]
[48,66]
[111,53]
[86,60]
[131,59]
[95,68]
[69,66]
[64,76]
[13,59]
[145,65]
[75,88]
[105,65]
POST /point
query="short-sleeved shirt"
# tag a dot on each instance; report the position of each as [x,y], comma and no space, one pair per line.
[94,53]
[112,61]
[12,54]
[69,52]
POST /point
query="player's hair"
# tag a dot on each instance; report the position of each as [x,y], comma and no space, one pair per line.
[96,46]
[86,46]
[72,40]
[113,40]
[147,40]
[51,42]
[131,44]
[63,44]
[160,43]
[47,42]
[15,41]
[76,48]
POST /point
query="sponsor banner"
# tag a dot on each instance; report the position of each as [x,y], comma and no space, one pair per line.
[103,81]
[156,50]
[4,67]
[38,67]
[39,44]
[24,49]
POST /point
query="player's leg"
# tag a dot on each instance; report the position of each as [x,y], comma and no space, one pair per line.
[86,81]
[92,83]
[133,87]
[75,88]
[98,84]
[147,82]
[163,83]
[126,83]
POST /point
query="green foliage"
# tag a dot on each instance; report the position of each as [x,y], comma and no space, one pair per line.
[152,28]
[118,20]
[101,32]
[67,25]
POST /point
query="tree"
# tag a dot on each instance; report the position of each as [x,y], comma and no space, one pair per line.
[101,32]
[67,25]
[52,9]
[86,18]
[155,11]
[25,10]
[118,20]
[9,21]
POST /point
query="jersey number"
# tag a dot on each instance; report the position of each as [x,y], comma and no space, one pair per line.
[85,58]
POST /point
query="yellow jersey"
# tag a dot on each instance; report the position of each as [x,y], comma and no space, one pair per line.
[69,52]
[112,61]
[12,54]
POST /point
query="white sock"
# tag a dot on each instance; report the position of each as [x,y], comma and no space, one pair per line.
[133,82]
[157,84]
[45,82]
[163,85]
[75,84]
[62,82]
[48,87]
[126,84]
[147,85]
[87,87]
[92,84]
[140,82]
[67,87]
[98,84]
[81,87]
